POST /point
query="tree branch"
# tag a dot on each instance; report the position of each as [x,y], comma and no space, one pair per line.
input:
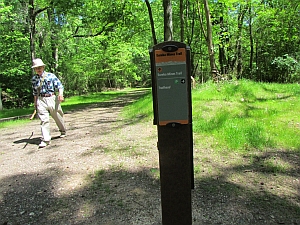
[201,21]
[36,12]
[151,22]
[92,35]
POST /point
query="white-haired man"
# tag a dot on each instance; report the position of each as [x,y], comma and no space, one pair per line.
[45,85]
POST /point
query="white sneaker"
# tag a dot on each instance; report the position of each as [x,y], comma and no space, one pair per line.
[44,144]
[62,135]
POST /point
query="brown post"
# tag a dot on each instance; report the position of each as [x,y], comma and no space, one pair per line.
[171,89]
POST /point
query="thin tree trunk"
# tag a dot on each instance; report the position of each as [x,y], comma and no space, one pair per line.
[200,13]
[239,46]
[209,41]
[222,57]
[190,16]
[31,16]
[181,22]
[151,22]
[32,13]
[168,23]
[1,105]
[251,41]
[239,55]
[53,39]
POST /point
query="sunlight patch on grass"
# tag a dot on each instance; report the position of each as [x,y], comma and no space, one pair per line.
[141,109]
[276,165]
[12,123]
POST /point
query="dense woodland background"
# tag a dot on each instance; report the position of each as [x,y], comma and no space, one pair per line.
[94,45]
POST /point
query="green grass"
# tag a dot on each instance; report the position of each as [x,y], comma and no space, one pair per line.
[140,109]
[82,101]
[240,116]
[244,115]
[12,123]
[5,113]
[69,104]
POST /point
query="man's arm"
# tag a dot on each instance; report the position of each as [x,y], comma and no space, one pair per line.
[58,86]
[35,101]
[35,107]
[61,94]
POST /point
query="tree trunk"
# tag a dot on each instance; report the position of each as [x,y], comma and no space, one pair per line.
[53,39]
[251,42]
[209,41]
[239,55]
[222,56]
[168,23]
[32,13]
[1,106]
[151,22]
[181,22]
[31,16]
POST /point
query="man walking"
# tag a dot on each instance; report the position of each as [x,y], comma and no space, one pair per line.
[44,85]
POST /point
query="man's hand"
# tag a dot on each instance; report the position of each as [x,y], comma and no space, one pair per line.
[33,114]
[61,98]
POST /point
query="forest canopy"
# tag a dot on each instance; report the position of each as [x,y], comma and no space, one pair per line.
[94,45]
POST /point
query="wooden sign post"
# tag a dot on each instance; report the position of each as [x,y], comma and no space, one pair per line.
[171,90]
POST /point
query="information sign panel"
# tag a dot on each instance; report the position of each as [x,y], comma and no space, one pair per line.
[171,86]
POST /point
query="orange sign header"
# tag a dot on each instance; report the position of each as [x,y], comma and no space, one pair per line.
[177,56]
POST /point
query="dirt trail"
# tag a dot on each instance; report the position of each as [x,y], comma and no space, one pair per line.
[99,174]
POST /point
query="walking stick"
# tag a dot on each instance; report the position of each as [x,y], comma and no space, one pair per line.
[33,114]
[28,140]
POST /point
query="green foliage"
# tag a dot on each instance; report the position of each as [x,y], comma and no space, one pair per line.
[93,45]
[277,27]
[14,77]
[288,68]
